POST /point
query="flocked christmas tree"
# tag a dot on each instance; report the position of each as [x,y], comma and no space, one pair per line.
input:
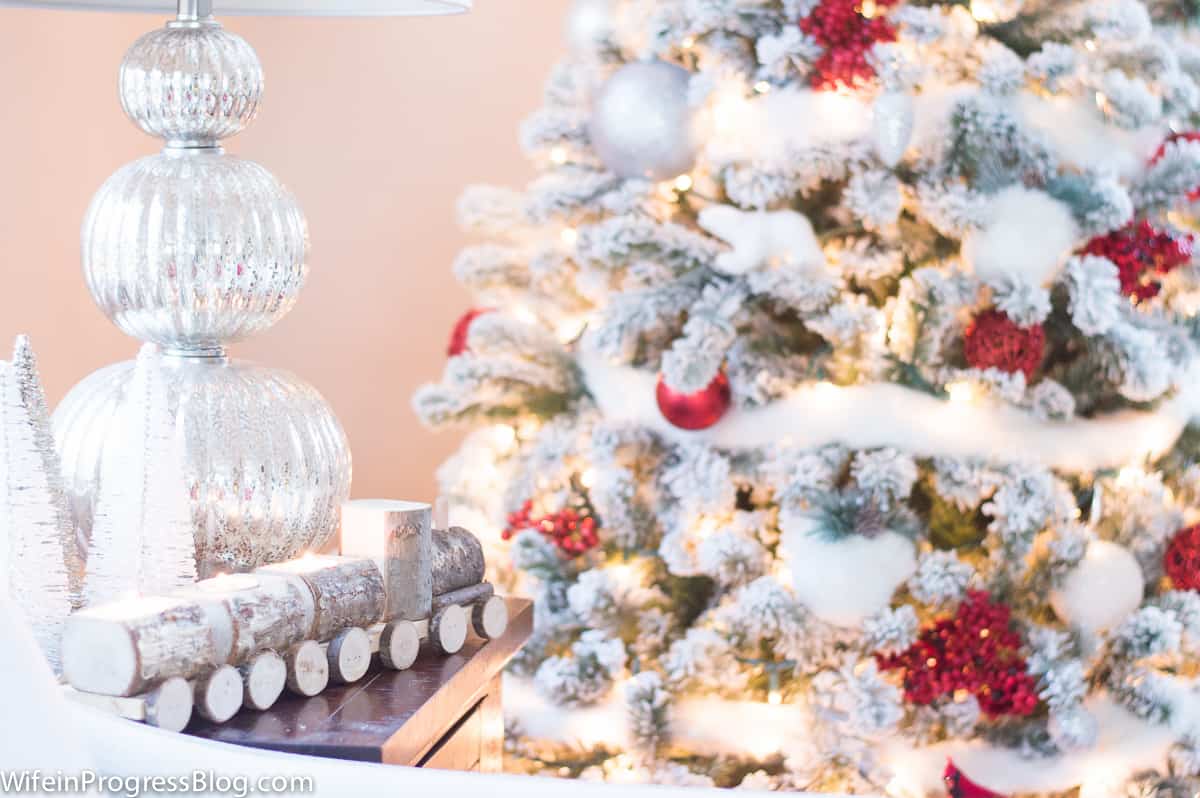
[832,382]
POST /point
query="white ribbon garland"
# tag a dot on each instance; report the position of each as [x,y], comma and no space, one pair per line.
[884,414]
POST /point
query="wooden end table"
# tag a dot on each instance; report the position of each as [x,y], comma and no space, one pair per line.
[444,712]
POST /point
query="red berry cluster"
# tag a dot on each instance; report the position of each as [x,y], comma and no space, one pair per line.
[1142,254]
[572,529]
[959,786]
[1190,135]
[994,341]
[976,651]
[847,34]
[1182,560]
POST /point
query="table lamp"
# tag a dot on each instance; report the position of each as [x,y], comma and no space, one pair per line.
[189,250]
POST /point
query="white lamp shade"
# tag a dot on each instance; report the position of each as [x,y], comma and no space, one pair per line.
[298,8]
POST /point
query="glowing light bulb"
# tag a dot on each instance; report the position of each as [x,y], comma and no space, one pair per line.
[774,698]
[762,87]
[1101,100]
[902,788]
[683,183]
[983,11]
[1090,46]
[961,392]
[588,478]
[824,390]
[504,436]
[1130,474]
[569,329]
[688,43]
[523,313]
[569,236]
[706,527]
[868,8]
[558,156]
[782,574]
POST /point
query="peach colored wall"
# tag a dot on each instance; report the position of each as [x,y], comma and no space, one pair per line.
[376,125]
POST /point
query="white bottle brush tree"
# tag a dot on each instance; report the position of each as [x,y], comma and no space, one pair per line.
[832,384]
[142,535]
[41,563]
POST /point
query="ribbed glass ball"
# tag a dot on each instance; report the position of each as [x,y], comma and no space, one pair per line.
[191,82]
[266,463]
[193,249]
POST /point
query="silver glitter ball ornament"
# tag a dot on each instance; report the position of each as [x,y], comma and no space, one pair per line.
[193,249]
[265,462]
[893,120]
[642,122]
[589,24]
[191,83]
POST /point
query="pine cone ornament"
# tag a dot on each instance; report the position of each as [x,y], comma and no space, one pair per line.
[893,118]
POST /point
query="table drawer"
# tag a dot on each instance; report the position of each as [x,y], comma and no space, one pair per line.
[462,747]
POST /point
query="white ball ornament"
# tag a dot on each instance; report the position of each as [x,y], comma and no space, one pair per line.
[1027,236]
[642,121]
[843,582]
[589,24]
[1102,590]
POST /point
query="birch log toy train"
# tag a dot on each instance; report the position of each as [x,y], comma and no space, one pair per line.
[239,640]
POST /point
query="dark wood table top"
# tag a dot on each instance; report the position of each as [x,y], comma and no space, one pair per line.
[388,716]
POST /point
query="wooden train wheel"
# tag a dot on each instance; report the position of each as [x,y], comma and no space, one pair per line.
[308,669]
[490,618]
[399,645]
[449,629]
[349,655]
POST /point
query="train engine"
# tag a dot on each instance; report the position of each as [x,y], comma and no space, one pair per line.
[239,640]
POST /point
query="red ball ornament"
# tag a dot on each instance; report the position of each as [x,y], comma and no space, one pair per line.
[994,341]
[695,411]
[959,786]
[1182,559]
[462,328]
[1190,135]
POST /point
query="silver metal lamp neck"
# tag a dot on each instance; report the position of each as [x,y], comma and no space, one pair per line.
[194,11]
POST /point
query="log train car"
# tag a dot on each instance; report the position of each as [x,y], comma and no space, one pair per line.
[239,640]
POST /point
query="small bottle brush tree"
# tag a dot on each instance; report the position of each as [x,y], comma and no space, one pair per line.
[830,385]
